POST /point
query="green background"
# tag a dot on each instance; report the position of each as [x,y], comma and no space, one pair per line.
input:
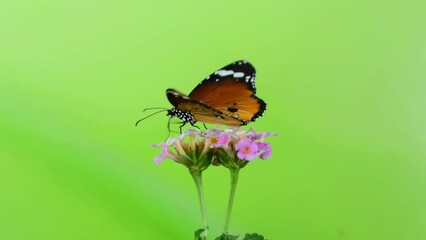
[345,83]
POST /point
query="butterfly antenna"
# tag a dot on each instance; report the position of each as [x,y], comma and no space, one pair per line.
[150,116]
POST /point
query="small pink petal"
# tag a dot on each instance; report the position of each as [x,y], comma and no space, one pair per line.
[239,133]
[265,150]
[171,141]
[222,141]
[213,132]
[156,145]
[164,152]
[242,143]
[246,149]
[159,159]
[189,132]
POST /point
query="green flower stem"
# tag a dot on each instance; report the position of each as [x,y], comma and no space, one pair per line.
[196,175]
[234,181]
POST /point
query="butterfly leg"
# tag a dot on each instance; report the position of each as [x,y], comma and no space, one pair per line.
[184,125]
[168,127]
[170,130]
[195,126]
[180,128]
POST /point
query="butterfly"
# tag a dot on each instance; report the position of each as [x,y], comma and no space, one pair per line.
[226,97]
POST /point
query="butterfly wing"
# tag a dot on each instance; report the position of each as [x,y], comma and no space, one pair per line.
[231,91]
[199,111]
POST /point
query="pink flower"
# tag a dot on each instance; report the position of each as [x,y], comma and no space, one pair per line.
[265,150]
[165,153]
[255,136]
[246,149]
[227,147]
[222,141]
[239,133]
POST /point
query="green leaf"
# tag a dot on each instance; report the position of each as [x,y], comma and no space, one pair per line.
[227,237]
[253,236]
[198,234]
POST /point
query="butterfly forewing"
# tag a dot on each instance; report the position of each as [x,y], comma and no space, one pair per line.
[175,97]
[227,97]
[241,71]
[232,90]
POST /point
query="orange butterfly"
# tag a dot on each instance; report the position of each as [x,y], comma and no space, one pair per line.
[227,97]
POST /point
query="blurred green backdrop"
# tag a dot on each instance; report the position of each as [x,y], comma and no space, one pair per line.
[345,87]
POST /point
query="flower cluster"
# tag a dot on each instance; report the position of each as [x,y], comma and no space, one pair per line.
[226,147]
[232,148]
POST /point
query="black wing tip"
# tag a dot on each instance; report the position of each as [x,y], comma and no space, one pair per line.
[170,90]
[242,63]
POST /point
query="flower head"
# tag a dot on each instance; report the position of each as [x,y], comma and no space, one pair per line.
[229,147]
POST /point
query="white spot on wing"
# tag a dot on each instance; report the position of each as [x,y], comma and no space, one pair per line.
[238,75]
[224,73]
